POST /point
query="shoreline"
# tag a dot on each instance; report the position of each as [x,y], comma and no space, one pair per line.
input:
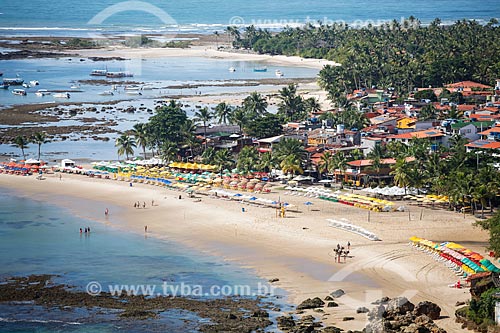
[294,250]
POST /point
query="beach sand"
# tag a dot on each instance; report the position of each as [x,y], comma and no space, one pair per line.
[296,249]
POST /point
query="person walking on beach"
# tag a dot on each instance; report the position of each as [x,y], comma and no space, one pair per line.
[348,245]
[152,203]
[144,204]
[146,228]
[106,212]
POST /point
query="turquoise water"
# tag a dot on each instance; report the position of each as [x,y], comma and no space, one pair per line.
[39,238]
[99,16]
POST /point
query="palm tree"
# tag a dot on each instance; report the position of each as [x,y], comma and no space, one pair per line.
[291,105]
[140,134]
[223,112]
[291,164]
[188,129]
[125,145]
[223,159]
[21,142]
[289,147]
[40,138]
[255,104]
[208,156]
[247,159]
[325,163]
[266,162]
[339,162]
[238,117]
[400,173]
[169,151]
[204,115]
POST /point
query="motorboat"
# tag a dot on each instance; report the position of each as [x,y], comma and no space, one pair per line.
[132,88]
[260,69]
[118,74]
[42,92]
[4,86]
[278,73]
[19,92]
[106,93]
[133,92]
[13,81]
[34,83]
[25,85]
[232,69]
[99,72]
[62,95]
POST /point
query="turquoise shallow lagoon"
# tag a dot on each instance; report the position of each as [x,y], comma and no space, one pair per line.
[39,238]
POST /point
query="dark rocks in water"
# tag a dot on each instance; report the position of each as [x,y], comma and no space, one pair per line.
[332,305]
[106,58]
[225,315]
[285,323]
[309,303]
[431,310]
[337,293]
[328,298]
[31,54]
[274,280]
[459,303]
[260,314]
[331,329]
[347,318]
[362,310]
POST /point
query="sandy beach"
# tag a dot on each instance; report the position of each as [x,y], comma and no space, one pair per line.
[296,249]
[204,51]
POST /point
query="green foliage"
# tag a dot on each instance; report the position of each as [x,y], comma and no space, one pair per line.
[426,94]
[78,43]
[493,226]
[178,44]
[166,125]
[396,55]
[264,127]
[22,143]
[482,310]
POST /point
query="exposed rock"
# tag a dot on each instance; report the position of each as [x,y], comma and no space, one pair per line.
[285,323]
[431,310]
[383,300]
[399,305]
[260,314]
[331,329]
[362,310]
[347,318]
[337,293]
[376,313]
[332,305]
[274,280]
[458,303]
[328,298]
[316,302]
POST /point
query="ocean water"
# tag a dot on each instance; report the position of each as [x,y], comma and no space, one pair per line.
[101,16]
[39,238]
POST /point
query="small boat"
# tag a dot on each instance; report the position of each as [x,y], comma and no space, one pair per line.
[19,92]
[132,88]
[279,73]
[62,95]
[260,69]
[118,74]
[13,82]
[34,83]
[99,72]
[25,85]
[106,93]
[232,69]
[4,86]
[133,92]
[74,87]
[42,92]
[1,74]
[147,87]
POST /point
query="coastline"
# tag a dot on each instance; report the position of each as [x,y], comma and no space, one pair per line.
[294,250]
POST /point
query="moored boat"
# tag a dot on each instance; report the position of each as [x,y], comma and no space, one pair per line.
[13,81]
[106,93]
[132,88]
[278,73]
[62,95]
[34,83]
[42,92]
[133,92]
[232,69]
[260,69]
[19,92]
[99,72]
[118,74]
[4,86]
